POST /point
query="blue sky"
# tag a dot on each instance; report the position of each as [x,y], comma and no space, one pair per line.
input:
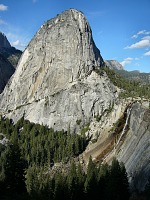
[121,28]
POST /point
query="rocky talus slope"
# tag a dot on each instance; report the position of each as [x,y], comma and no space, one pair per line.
[55,82]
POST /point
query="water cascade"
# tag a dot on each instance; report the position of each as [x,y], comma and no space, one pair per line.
[125,126]
[113,151]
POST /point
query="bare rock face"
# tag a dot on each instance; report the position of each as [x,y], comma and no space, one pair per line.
[55,82]
[131,146]
[114,64]
[134,150]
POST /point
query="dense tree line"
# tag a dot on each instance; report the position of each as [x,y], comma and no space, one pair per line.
[41,145]
[27,158]
[100,182]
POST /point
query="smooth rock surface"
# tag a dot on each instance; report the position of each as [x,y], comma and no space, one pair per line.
[133,148]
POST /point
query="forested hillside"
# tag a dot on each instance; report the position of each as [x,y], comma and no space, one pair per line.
[135,75]
[130,88]
[29,153]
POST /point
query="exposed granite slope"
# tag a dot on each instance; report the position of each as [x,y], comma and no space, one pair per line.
[134,151]
[55,82]
[132,147]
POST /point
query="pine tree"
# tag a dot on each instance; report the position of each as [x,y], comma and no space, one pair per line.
[117,184]
[72,181]
[91,181]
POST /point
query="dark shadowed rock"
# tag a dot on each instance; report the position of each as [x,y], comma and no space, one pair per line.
[9,57]
[4,43]
[6,71]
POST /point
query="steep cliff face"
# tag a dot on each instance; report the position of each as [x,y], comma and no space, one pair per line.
[55,82]
[134,149]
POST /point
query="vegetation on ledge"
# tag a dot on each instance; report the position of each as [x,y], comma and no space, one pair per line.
[130,88]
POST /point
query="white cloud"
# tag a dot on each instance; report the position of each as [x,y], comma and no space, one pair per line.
[147,53]
[3,7]
[142,32]
[144,42]
[134,36]
[126,61]
[146,38]
[18,44]
[141,44]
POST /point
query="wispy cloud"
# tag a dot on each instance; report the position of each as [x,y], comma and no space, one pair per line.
[20,43]
[17,44]
[126,61]
[3,7]
[147,53]
[142,32]
[17,40]
[144,43]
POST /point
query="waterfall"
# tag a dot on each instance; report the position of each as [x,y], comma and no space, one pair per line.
[123,132]
[125,126]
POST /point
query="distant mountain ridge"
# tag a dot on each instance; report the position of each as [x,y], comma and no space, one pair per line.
[114,64]
[9,57]
[130,75]
[4,43]
[10,53]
